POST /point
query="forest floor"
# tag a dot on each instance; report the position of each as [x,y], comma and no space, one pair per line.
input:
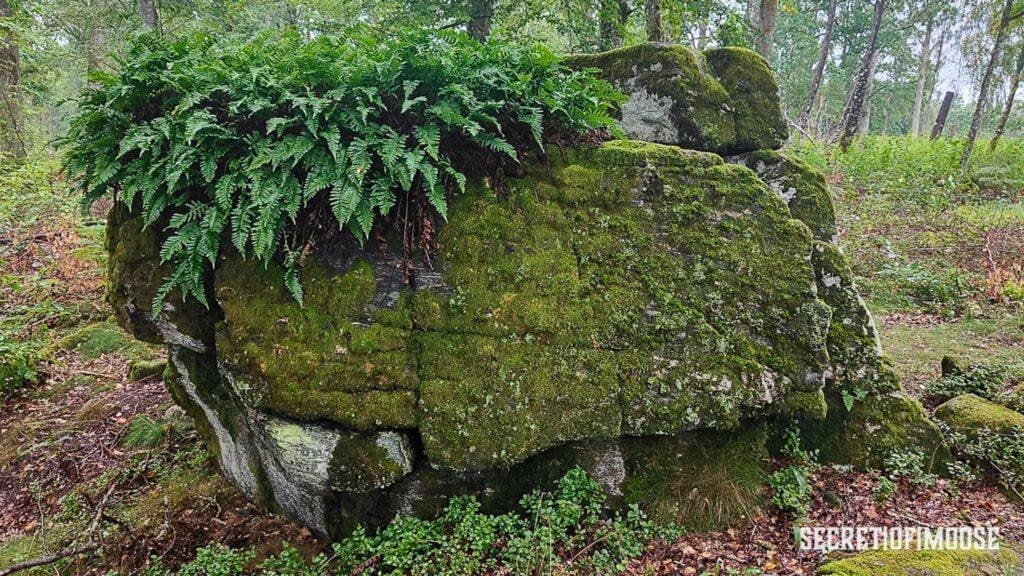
[100,437]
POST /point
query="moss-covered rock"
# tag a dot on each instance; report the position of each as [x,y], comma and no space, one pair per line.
[636,309]
[864,432]
[336,357]
[745,75]
[724,100]
[969,414]
[134,276]
[801,186]
[927,563]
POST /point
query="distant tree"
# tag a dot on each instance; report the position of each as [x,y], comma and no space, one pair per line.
[1006,17]
[762,15]
[148,14]
[924,60]
[652,20]
[853,112]
[12,138]
[819,66]
[1010,97]
[481,13]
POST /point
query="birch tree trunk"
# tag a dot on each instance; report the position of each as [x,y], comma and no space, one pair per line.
[1008,107]
[922,77]
[819,67]
[986,80]
[855,105]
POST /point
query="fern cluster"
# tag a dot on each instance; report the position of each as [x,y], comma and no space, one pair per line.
[237,141]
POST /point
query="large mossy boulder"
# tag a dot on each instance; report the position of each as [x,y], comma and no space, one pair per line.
[640,310]
[611,310]
[722,100]
[969,415]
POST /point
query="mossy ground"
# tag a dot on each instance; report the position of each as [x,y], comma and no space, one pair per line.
[927,563]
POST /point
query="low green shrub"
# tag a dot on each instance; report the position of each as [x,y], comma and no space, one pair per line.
[987,381]
[18,363]
[265,143]
[560,532]
[909,465]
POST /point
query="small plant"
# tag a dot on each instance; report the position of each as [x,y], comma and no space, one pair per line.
[983,380]
[791,489]
[791,485]
[145,432]
[561,532]
[885,489]
[910,465]
[1000,452]
[18,364]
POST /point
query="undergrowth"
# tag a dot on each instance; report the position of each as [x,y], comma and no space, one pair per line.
[558,532]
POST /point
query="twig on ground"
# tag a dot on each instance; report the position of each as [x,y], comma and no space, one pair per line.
[90,545]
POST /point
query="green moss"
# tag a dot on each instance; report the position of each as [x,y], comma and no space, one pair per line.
[754,96]
[969,414]
[703,481]
[95,340]
[805,188]
[874,428]
[364,462]
[488,403]
[926,563]
[804,405]
[19,549]
[143,369]
[332,357]
[672,81]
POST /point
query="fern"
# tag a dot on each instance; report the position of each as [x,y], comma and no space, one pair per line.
[233,142]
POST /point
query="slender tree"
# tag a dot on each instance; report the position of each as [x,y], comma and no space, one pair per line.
[1005,17]
[12,132]
[767,17]
[148,14]
[922,75]
[1010,96]
[855,104]
[481,12]
[819,66]
[652,20]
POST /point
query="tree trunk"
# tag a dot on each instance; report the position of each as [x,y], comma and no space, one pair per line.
[12,130]
[480,14]
[652,20]
[979,109]
[854,109]
[864,124]
[922,77]
[608,19]
[819,67]
[767,16]
[936,68]
[1008,107]
[940,119]
[95,50]
[147,12]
